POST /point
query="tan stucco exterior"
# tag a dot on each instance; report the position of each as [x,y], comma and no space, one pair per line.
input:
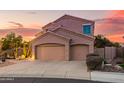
[69,22]
[50,38]
[62,44]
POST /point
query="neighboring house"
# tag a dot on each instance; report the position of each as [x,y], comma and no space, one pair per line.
[67,38]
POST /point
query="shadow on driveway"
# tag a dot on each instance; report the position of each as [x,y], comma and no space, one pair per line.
[43,80]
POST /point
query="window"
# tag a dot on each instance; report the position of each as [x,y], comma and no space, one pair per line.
[87,29]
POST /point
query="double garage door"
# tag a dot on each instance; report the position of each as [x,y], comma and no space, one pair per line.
[50,52]
[56,52]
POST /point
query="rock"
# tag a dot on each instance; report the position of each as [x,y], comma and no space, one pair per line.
[118,67]
[111,68]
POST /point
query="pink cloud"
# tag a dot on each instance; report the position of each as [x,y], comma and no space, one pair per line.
[116,38]
[112,28]
[27,33]
[34,25]
[16,24]
[117,13]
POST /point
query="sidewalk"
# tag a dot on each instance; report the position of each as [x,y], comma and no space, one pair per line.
[107,76]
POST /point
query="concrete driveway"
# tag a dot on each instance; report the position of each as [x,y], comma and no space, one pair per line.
[71,69]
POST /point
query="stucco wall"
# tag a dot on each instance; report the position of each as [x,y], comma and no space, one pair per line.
[50,39]
[76,39]
[71,24]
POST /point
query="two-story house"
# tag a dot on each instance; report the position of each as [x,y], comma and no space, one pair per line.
[68,38]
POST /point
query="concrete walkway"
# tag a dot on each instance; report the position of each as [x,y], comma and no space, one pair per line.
[72,70]
[107,76]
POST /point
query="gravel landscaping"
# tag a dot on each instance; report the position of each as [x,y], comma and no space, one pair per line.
[111,68]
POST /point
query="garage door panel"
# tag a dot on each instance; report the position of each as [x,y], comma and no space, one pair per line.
[79,52]
[51,52]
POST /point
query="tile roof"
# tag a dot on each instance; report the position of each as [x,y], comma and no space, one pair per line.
[67,17]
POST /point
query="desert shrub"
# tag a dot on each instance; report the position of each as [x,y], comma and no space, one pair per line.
[122,65]
[94,62]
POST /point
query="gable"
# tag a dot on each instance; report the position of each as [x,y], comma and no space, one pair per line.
[61,29]
[75,37]
[50,37]
[72,18]
[68,22]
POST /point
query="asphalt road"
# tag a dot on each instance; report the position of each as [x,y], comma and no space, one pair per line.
[42,80]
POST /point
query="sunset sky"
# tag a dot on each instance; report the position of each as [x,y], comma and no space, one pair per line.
[28,23]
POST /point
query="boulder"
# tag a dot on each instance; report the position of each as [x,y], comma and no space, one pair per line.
[111,68]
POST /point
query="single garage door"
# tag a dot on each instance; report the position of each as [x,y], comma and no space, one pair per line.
[50,52]
[79,52]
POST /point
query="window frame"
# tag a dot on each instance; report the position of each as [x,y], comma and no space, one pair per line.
[91,28]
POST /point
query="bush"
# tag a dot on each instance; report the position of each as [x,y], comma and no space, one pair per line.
[122,65]
[94,62]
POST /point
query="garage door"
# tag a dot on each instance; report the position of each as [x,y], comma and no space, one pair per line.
[51,52]
[79,52]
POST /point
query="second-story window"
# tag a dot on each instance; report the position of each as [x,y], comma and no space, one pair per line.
[87,29]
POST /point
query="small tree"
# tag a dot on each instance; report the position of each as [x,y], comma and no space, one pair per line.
[12,42]
[101,41]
